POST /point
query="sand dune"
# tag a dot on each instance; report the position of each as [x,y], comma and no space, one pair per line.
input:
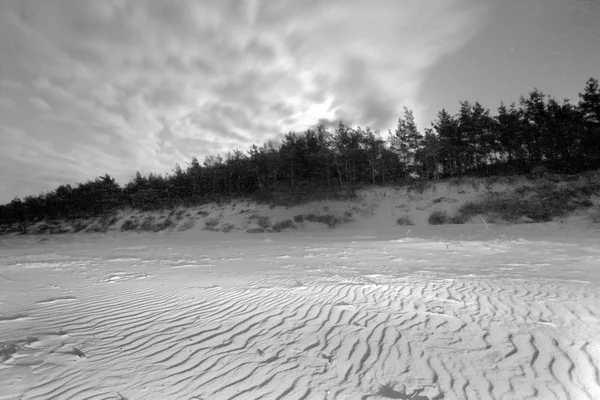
[299,318]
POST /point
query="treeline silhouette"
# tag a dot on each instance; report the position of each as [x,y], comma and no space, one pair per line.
[538,132]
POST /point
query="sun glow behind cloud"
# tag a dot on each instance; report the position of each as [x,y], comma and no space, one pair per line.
[115,86]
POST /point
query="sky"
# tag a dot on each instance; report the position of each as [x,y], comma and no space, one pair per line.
[116,86]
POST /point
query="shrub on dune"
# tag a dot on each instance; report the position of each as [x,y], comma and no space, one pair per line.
[404,221]
[211,223]
[129,225]
[282,225]
[438,218]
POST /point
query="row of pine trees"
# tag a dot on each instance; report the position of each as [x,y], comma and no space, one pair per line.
[537,132]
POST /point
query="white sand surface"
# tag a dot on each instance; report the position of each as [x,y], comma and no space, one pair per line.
[342,314]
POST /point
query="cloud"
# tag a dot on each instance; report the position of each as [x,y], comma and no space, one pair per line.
[40,104]
[119,85]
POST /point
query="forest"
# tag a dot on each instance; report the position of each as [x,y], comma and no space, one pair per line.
[537,133]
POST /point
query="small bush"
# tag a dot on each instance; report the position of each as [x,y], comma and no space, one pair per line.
[542,205]
[264,222]
[255,230]
[539,171]
[188,224]
[97,229]
[311,217]
[130,225]
[419,186]
[459,219]
[404,221]
[348,217]
[148,224]
[438,218]
[79,226]
[456,181]
[595,214]
[228,228]
[162,225]
[57,230]
[281,225]
[202,213]
[330,220]
[211,222]
[41,229]
[299,218]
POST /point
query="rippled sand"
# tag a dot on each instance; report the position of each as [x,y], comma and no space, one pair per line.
[292,317]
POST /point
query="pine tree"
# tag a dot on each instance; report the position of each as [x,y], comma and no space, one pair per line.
[590,108]
[405,140]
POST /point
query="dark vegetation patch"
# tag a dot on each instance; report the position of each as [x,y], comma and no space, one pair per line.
[538,203]
[186,225]
[97,228]
[211,223]
[78,226]
[147,224]
[438,218]
[282,225]
[131,224]
[167,223]
[348,217]
[255,230]
[304,193]
[444,200]
[596,214]
[419,186]
[330,220]
[404,221]
[261,221]
[228,227]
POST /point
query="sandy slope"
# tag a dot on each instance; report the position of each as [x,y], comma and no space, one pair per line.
[350,315]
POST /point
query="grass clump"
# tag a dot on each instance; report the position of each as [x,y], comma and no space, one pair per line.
[299,218]
[438,218]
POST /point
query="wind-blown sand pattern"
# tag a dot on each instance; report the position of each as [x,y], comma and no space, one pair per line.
[299,318]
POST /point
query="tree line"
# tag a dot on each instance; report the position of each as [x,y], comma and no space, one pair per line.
[538,131]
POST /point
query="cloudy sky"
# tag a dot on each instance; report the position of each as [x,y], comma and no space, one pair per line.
[115,86]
